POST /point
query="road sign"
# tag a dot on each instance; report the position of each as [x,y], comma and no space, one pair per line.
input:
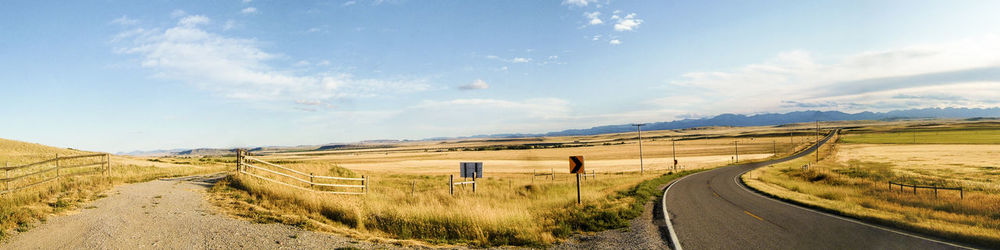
[469,169]
[576,164]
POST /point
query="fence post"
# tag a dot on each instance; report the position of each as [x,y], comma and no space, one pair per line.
[935,192]
[239,160]
[533,172]
[311,181]
[107,164]
[473,182]
[451,184]
[57,165]
[961,192]
[914,189]
[364,181]
[6,176]
[413,187]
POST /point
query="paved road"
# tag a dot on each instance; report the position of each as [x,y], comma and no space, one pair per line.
[170,214]
[711,210]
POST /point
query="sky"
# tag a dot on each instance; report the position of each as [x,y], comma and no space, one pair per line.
[119,76]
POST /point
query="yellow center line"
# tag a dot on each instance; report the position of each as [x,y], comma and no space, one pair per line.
[716,194]
[748,213]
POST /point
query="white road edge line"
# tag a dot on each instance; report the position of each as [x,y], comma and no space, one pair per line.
[736,179]
[674,242]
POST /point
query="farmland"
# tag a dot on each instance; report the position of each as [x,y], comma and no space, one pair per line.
[852,179]
[515,204]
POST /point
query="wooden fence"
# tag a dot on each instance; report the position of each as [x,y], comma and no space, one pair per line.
[258,168]
[37,173]
[961,192]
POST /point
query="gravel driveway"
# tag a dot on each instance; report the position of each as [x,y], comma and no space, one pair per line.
[169,213]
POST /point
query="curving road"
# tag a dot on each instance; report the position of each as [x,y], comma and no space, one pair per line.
[712,210]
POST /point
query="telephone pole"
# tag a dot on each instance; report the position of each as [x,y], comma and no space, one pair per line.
[817,141]
[737,146]
[673,144]
[638,127]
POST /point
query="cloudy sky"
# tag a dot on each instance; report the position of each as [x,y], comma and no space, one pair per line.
[141,75]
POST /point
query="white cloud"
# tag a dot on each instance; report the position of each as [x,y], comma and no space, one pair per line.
[309,102]
[237,68]
[512,60]
[580,3]
[124,21]
[191,21]
[249,10]
[247,1]
[349,3]
[956,74]
[594,17]
[615,42]
[539,108]
[628,23]
[177,13]
[478,84]
[596,37]
[230,24]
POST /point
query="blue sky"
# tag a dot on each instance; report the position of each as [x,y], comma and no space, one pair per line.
[123,75]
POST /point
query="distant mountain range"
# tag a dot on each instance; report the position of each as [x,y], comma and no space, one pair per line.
[719,120]
[772,119]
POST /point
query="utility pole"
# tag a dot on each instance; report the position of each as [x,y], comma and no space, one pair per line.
[817,141]
[673,144]
[737,145]
[638,127]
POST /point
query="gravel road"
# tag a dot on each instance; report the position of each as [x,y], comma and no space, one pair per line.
[648,231]
[168,213]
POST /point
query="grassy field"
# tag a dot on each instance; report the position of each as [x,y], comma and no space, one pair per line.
[20,210]
[409,201]
[853,180]
[976,136]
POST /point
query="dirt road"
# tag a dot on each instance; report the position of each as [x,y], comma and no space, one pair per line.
[170,213]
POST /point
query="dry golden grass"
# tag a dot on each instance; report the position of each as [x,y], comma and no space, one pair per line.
[408,198]
[606,153]
[21,209]
[854,182]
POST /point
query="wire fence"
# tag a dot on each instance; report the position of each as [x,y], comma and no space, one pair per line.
[961,192]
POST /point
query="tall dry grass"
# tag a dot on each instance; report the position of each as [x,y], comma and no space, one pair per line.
[860,189]
[506,209]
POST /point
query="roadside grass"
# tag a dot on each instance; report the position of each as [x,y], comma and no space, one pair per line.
[507,209]
[20,210]
[859,189]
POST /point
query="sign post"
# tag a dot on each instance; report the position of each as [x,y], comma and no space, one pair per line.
[576,167]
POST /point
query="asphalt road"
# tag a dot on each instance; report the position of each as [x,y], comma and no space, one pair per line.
[712,210]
